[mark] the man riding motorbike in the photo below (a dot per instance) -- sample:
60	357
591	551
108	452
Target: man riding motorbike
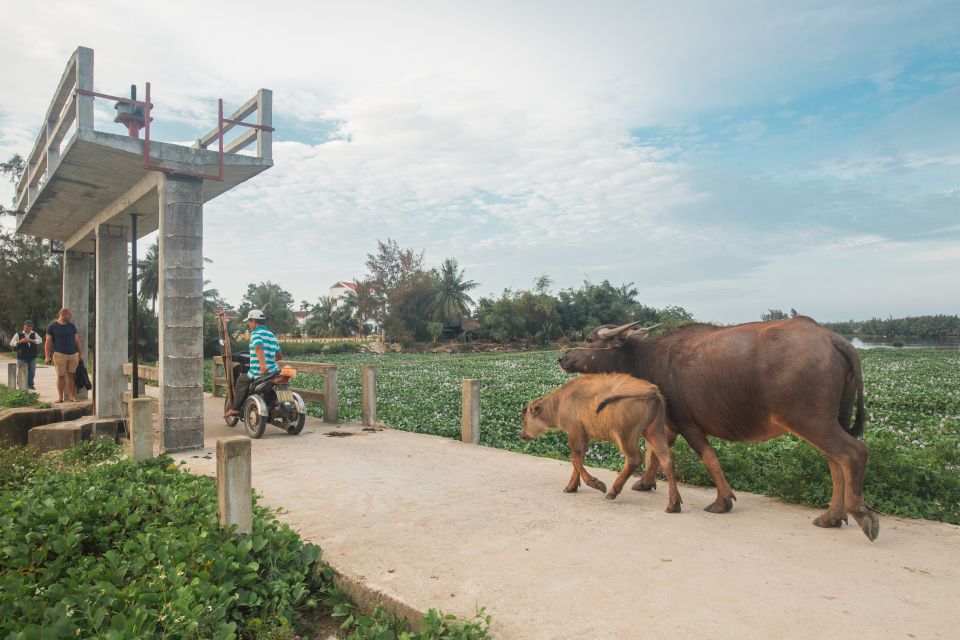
264	354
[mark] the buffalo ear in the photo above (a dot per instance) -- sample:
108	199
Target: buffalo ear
535	408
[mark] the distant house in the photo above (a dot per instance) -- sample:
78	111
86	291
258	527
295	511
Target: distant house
340	290
301	317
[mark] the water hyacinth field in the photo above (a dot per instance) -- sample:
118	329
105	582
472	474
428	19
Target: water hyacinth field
913	428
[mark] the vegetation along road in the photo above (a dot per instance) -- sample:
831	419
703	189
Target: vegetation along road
913	429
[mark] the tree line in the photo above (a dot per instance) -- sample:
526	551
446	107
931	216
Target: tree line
936	327
410	303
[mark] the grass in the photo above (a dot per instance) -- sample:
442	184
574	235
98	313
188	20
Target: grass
14	398
913	430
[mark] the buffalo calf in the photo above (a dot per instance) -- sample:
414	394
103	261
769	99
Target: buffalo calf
617	408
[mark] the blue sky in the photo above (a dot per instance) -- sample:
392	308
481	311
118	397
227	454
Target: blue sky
726	157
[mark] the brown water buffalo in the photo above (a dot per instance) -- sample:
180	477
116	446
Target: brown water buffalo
749	382
617	408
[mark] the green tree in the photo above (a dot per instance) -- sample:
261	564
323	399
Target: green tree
773	315
12	169
148	273
387	269
274	301
30	282
408	307
451	301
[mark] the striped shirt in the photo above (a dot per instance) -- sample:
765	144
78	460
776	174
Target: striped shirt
263	337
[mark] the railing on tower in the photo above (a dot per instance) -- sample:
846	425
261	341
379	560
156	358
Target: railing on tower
72	104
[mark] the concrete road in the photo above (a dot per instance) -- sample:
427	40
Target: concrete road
432	522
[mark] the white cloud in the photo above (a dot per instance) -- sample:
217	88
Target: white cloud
499	133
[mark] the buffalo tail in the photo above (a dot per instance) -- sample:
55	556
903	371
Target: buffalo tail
852	357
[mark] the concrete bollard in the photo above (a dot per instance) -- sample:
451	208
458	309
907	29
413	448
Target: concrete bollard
23	373
331	397
234	490
368	408
12	375
470	424
139	429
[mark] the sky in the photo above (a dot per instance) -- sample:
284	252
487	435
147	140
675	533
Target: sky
727	157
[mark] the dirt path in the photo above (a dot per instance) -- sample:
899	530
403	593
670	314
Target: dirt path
436	523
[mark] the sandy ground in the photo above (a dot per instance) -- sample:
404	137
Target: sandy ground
438	523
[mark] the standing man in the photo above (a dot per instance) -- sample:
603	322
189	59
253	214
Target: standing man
63	347
25	342
264	353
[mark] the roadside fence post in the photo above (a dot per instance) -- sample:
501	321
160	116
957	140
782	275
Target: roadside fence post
139	429
368	407
234	495
470	423
331	397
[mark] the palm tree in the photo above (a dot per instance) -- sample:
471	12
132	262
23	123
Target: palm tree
343	321
451	301
321	318
149	272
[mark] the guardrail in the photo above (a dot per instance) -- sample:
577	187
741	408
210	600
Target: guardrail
67	108
328	397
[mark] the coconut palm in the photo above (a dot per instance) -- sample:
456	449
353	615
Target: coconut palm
451	300
149	276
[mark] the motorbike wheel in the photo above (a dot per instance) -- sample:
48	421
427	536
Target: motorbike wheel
255	423
231	420
295	427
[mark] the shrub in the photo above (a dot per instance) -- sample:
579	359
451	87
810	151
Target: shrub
92	546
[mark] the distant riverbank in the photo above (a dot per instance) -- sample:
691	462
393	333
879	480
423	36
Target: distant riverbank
876	343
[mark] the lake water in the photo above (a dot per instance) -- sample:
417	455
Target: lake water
871	344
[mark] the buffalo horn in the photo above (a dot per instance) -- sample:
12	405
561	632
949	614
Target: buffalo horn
606	334
644	330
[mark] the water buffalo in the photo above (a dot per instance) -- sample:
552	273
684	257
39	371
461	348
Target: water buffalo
749	382
614	407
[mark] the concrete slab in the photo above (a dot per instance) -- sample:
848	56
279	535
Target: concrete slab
424	522
97	169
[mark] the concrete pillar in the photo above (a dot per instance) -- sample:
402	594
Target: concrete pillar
470	422
234	494
331	395
23	374
11	375
368	403
181	312
111	325
139	429
265	117
84	81
76	297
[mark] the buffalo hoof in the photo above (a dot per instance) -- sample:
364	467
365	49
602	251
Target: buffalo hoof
722	505
640	485
611	496
599	486
673	508
828	521
569	490
870	524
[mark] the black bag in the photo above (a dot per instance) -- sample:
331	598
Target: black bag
82	380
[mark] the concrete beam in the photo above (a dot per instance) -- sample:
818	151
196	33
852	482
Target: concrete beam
142	188
76	297
111	325
181	313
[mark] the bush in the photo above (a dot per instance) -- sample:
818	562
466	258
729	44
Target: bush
10	398
308	348
92	546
